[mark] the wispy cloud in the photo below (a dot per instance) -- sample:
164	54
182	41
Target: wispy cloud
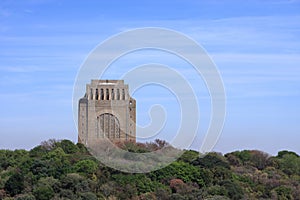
26	69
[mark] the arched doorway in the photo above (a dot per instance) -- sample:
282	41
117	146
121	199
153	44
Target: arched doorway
108	126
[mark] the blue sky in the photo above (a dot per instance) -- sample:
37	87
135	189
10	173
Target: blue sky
255	45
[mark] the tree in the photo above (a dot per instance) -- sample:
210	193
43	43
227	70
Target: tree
289	163
176	184
221	174
2	194
211	160
4	164
75	183
68	146
108	188
61	170
49	144
88	196
180	170
162	194
259	159
216	190
43	192
189	156
15	184
234	191
217	197
57	162
25	197
39	168
140	182
176	196
46	188
38	151
244	156
282	153
87	167
282	192
12	158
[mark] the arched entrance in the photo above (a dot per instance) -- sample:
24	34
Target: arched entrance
108	126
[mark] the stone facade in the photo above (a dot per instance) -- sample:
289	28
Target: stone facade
106	111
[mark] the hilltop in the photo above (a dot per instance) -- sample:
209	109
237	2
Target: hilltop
64	170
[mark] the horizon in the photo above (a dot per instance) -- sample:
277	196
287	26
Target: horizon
255	46
148	142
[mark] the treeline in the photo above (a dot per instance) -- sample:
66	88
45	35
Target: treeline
64	170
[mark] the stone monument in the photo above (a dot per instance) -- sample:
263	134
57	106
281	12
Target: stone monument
106	111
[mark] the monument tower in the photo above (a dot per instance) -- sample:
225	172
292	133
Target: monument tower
106	111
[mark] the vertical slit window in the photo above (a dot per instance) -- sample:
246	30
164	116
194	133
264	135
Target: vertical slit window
118	94
107	94
91	94
101	94
123	94
97	95
112	94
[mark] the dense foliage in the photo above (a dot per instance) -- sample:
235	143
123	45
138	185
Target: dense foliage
63	170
